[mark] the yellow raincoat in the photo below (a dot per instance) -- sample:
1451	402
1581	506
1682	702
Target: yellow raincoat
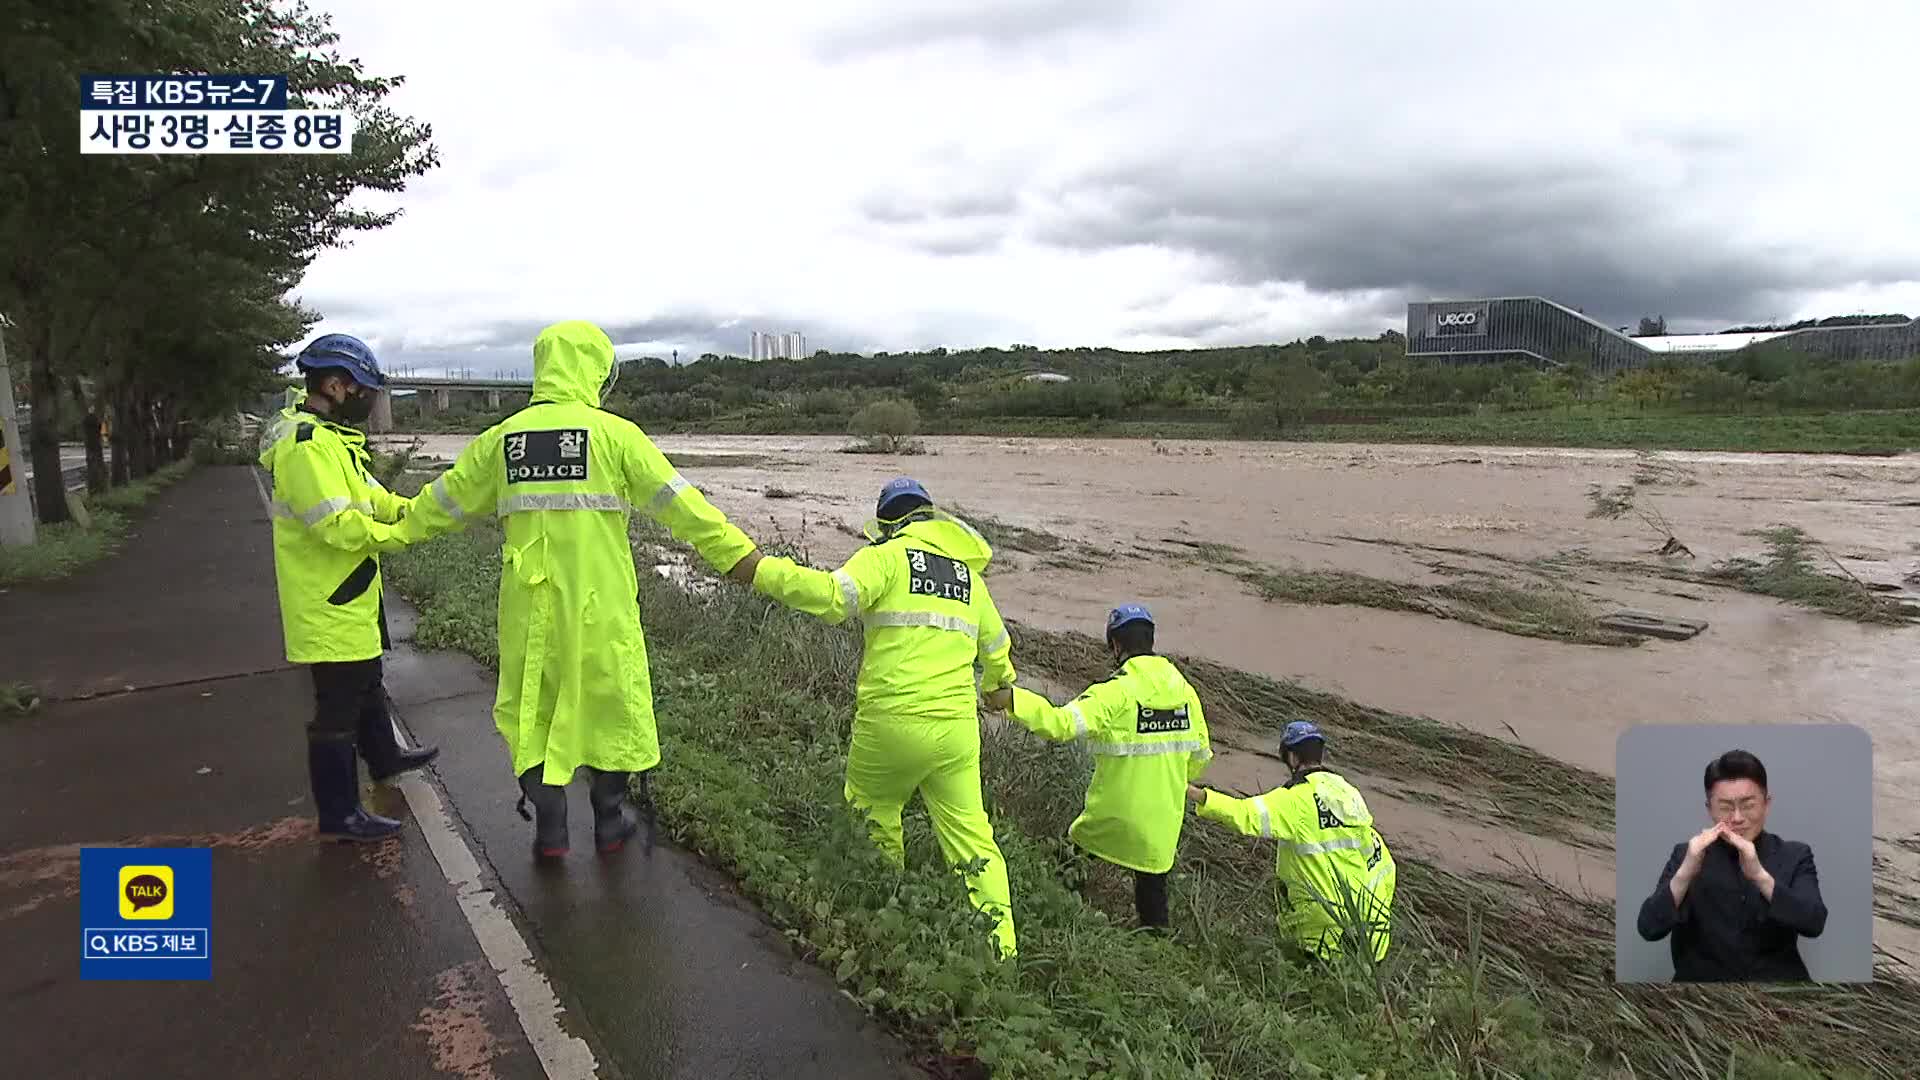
1331	864
330	518
564	477
1148	737
921	597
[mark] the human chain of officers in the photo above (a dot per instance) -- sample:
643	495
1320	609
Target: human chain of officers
563	476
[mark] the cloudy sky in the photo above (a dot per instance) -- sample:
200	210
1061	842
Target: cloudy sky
896	174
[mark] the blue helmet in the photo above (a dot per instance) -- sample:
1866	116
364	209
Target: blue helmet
1300	731
900	488
1127	613
345	352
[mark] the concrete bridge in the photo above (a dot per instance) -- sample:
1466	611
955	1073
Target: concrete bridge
436	394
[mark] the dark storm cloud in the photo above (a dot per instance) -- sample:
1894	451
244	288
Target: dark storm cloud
1598	236
996	23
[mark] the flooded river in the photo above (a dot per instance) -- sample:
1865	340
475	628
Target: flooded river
1415	513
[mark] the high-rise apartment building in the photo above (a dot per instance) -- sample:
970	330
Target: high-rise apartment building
765	346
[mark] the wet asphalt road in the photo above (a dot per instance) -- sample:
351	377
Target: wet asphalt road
173	720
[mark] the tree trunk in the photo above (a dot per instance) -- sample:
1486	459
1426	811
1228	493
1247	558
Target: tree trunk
90	435
49	486
140	436
149	437
122	445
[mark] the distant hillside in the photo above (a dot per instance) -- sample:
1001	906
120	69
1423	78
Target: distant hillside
1831	320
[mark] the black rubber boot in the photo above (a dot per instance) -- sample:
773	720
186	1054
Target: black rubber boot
386	761
336	794
549	814
614	819
404	762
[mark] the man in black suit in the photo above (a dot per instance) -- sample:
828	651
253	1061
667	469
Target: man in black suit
1736	898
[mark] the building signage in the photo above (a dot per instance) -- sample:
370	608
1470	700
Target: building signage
1457	320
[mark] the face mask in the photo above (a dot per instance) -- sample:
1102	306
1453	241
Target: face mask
355	408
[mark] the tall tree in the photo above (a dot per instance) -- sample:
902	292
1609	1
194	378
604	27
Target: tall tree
86	240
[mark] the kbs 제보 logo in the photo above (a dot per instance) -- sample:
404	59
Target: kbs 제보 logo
146	913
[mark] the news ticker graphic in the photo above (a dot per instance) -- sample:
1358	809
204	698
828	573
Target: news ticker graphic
146	913
204	114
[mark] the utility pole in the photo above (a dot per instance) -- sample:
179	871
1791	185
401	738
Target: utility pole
16	511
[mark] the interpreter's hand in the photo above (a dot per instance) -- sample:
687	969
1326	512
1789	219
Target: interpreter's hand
1704	839
1196	794
743	570
1749	858
1000	700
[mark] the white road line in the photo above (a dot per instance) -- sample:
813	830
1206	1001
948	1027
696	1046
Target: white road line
535	1006
563	1056
262	489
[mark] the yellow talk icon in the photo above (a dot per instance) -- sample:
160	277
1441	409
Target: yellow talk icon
146	892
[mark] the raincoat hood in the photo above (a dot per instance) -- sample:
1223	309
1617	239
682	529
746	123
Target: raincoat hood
572	362
953	537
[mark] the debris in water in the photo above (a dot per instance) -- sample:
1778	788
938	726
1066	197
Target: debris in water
1673	546
1652	625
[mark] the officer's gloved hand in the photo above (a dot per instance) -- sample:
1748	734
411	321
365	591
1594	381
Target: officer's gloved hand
1000	700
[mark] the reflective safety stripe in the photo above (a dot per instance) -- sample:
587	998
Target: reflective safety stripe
445	499
1321	847
1206	753
1079	720
923	618
560	500
320	512
668	492
1144	749
999	640
1266	818
849	592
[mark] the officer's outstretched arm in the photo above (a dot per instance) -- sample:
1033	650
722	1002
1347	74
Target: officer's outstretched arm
388	508
309	484
467	491
1198	760
834	596
1084	714
1256	816
995	654
657	489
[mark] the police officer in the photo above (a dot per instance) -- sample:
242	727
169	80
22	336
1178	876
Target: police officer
1148	736
331	518
919	592
564	477
1335	872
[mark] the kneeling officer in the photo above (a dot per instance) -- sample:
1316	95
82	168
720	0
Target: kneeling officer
1335	872
1148	736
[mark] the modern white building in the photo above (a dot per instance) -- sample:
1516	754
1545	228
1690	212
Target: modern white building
766	346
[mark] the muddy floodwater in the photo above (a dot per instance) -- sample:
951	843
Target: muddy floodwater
1126	512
